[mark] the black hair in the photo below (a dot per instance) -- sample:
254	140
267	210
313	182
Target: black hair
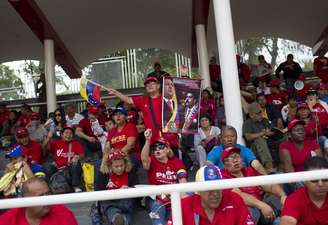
315	162
205	115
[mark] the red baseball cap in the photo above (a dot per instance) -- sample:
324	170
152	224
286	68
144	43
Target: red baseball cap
68	127
115	154
227	151
295	122
150	79
93	109
274	83
21	131
35	115
302	105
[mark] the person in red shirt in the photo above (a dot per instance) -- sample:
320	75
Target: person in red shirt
301	93
295	151
24	117
320	65
43	215
215	206
264	208
4	115
277	96
123	137
162	168
244	71
91	132
32	150
151	107
66	153
116	174
215	75
318	108
308	205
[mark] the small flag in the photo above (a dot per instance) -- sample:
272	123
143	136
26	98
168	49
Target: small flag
90	91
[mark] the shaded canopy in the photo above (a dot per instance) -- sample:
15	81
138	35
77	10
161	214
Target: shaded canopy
91	29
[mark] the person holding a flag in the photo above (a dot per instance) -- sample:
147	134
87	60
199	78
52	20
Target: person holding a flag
151	107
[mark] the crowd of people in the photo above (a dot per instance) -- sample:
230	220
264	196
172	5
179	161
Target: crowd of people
285	130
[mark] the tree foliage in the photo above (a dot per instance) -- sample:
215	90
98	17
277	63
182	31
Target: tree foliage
8	79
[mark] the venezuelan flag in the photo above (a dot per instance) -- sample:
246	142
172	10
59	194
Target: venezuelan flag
90	91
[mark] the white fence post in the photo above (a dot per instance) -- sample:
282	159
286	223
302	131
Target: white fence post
176	208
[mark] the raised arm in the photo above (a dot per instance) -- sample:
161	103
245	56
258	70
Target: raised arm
121	96
145	159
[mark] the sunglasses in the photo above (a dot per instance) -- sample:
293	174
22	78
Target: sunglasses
159	147
317	181
58	114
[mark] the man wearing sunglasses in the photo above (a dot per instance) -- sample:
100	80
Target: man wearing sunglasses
309	204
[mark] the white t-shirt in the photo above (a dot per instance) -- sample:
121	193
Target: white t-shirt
74	121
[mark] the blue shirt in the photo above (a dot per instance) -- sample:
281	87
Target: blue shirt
214	155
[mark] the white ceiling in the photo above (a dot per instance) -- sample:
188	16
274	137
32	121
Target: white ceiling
91	29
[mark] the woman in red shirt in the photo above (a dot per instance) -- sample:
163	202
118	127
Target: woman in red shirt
163	168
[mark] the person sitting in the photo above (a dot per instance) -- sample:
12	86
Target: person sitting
50	215
18	170
206	138
264	70
72	118
55	124
123	137
320	66
90	132
116	175
309	204
277	96
264	202
162	168
35	129
214	206
295	151
257	131
228	139
207	104
289	110
262	88
220	120
66	154
318	108
31	150
301	92
24	117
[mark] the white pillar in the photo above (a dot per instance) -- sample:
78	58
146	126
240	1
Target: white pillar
229	73
176	208
202	54
49	64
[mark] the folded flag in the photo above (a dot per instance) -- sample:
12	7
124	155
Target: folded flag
90	91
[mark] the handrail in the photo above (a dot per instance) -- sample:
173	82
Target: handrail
166	189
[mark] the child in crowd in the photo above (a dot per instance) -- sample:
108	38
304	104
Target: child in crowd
117	175
163	168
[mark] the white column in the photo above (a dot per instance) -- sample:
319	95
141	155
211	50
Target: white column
49	64
229	73
202	54
176	208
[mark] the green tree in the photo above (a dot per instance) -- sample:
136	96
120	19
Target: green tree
8	79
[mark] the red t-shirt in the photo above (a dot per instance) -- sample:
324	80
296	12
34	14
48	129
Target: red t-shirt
141	103
321	64
24	120
58	215
33	152
299	206
248	171
118	139
310	132
231	211
277	99
215	72
319	110
85	125
165	173
59	150
118	181
298	156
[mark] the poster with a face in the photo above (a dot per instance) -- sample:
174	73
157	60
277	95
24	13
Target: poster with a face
181	103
